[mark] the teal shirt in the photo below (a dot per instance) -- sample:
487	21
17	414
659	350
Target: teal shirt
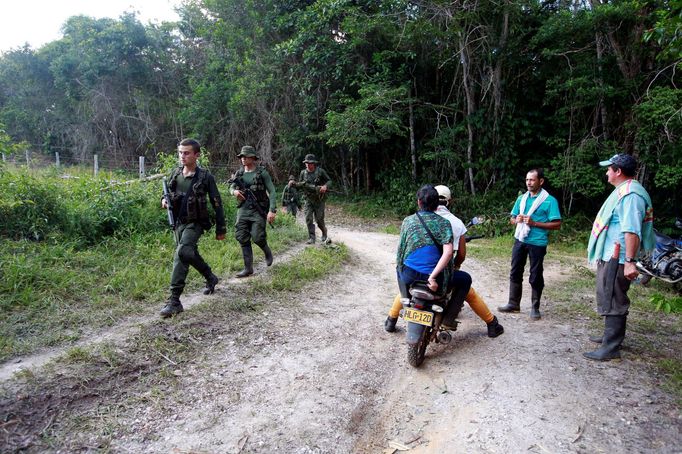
548	211
627	218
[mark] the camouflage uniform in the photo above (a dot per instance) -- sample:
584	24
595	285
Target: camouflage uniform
250	224
188	198
309	183
291	199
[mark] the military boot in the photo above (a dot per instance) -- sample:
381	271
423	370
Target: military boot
268	253
211	281
614	333
494	328
323	239
535	305
247	253
173	306
514	304
311	234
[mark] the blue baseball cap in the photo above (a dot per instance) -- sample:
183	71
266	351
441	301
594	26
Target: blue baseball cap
623	161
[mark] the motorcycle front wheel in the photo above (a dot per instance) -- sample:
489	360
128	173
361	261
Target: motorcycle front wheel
417	352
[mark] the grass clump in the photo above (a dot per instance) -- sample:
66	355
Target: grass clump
78	254
313	263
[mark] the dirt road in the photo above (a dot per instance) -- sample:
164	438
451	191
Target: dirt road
325	377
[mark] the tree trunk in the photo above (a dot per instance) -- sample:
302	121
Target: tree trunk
471	108
413	149
602	105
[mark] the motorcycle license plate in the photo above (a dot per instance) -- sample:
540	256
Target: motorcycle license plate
417	316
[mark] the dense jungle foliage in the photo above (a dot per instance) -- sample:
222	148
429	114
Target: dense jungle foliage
388	93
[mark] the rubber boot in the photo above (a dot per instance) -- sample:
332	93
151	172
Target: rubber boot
514	304
535	305
311	234
323	239
211	281
494	328
247	253
614	333
173	306
268	253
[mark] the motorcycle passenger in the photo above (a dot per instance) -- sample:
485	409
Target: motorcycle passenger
425	253
459	245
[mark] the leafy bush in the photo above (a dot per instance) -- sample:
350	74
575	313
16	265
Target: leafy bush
667	304
36	205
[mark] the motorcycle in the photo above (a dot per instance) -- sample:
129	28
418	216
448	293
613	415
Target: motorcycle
665	261
423	312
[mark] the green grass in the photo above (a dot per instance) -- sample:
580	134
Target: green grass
54	290
313	263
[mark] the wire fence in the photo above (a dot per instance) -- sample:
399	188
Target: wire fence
143	167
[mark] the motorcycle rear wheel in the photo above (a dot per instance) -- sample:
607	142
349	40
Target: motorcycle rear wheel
417	352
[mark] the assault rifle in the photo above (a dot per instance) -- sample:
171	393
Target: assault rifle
251	199
169	208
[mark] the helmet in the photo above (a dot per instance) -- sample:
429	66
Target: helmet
443	192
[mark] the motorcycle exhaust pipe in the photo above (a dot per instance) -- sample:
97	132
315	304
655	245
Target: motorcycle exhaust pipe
444	337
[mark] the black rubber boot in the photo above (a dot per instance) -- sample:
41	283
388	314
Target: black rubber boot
173	306
323	239
614	333
514	304
494	328
211	281
268	253
389	324
535	305
247	253
311	234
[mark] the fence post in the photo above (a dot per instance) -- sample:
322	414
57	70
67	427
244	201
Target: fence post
141	167
56	158
4	159
28	158
96	165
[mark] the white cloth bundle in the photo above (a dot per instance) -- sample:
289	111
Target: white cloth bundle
523	229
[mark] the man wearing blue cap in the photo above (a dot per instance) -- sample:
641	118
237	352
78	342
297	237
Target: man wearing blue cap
623	227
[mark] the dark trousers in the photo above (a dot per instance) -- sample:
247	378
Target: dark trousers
459	280
612	289
520	253
186	255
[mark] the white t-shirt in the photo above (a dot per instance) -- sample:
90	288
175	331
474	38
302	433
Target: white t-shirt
458	228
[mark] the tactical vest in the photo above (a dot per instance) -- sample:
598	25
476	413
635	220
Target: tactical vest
257	186
191	207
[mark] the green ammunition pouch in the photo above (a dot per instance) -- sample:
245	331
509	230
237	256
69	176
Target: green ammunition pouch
192	206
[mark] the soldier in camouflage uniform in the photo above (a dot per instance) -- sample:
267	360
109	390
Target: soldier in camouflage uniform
291	199
314	182
256	196
189	185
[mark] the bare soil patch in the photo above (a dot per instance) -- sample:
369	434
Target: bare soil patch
316	372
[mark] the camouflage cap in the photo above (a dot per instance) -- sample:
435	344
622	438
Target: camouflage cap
247	152
310	158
